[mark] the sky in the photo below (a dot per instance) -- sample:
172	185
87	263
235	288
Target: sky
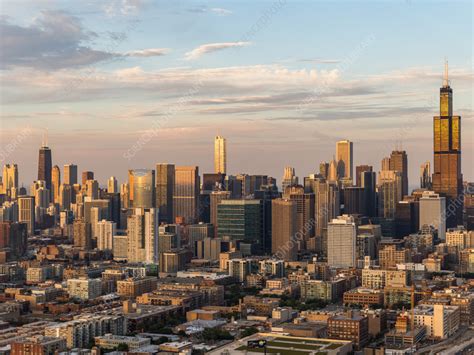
122	84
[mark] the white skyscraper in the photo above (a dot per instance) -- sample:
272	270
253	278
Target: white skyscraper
220	155
433	212
342	236
105	231
142	230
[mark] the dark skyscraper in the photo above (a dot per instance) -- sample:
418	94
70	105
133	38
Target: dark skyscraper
399	162
359	170
45	165
165	178
447	176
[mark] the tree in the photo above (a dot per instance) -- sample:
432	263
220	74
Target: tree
248	331
122	347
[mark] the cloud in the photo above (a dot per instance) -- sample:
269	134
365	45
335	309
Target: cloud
213	47
54	40
57	40
215	10
122	7
220	11
150	52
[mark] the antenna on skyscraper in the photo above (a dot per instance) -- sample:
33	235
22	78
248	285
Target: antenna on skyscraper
445	78
44	142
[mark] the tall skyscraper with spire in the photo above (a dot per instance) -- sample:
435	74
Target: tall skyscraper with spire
447	175
45	164
220	155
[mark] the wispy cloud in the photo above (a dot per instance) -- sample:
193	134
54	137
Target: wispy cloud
213	47
220	11
215	10
150	52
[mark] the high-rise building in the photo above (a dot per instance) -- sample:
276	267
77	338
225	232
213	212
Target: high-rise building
87	175
333	173
92	189
241	220
390	192
105	231
342	236
220	155
215	198
143	181
45	165
10	178
13	235
186	193
55	183
212	182
266	194
82	234
344	157
385	164
165	181
112	185
305	203
433	212
359	170
327	205
70	174
324	169
65	197
447	176
289	178
26	212
368	183
425	175
143	231
399	162
284	243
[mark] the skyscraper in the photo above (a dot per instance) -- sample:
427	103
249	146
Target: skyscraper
305	203
26	212
87	175
399	162
241	220
433	211
45	165
425	175
289	178
55	183
447	176
70	174
359	170
143	188
165	180
10	178
143	231
389	191
220	155
215	198
186	193
344	158
342	236
284	243
112	185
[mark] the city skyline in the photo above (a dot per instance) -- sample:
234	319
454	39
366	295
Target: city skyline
372	100
236	177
